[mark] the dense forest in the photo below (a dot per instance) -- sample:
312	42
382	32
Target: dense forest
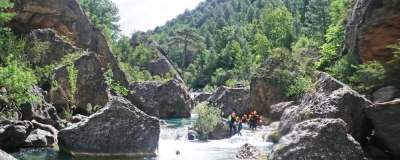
217	43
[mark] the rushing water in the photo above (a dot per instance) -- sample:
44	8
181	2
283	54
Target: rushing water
173	137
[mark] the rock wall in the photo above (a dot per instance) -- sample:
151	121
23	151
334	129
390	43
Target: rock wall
231	100
262	96
374	24
67	18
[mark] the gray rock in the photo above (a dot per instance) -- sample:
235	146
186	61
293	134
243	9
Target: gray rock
163	100
67	18
320	138
13	133
40	138
248	152
118	129
386	120
331	99
201	97
386	94
231	100
78	118
192	135
277	110
221	131
42	111
45	127
56	50
6	156
92	86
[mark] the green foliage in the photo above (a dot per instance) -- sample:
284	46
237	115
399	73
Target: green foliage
70	58
142	55
4	16
231	83
92	109
208	117
115	85
221	76
17	79
72	91
209	88
184	122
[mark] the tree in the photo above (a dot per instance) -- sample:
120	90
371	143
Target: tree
103	15
207	120
4	17
190	40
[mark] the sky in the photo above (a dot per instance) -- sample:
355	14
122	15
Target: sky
147	14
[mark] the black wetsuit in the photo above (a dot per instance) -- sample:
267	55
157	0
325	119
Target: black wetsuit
254	119
232	125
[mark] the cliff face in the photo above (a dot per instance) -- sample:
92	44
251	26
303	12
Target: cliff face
373	26
67	18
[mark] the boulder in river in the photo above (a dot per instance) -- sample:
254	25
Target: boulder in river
248	151
13	133
6	156
163	100
202	96
277	110
221	131
118	129
386	120
331	99
320	138
231	100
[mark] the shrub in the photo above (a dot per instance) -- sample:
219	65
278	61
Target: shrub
115	85
207	120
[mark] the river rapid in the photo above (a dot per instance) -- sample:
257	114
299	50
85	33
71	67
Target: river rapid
173	137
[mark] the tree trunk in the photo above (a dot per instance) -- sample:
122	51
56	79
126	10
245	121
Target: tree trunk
184	53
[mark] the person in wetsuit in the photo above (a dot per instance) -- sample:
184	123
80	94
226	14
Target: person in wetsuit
232	124
239	125
254	119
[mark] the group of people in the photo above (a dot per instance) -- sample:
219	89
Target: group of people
236	123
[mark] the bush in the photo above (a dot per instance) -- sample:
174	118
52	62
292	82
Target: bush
207	120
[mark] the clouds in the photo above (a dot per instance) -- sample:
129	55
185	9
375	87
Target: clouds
148	14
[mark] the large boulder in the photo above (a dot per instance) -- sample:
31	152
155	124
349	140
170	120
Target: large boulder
374	24
92	86
41	111
163	100
277	110
262	95
320	138
221	131
201	97
248	151
55	47
231	100
330	99
118	129
161	65
386	94
386	120
6	156
67	18
13	133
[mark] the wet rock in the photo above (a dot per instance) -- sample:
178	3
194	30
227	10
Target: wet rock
262	96
6	156
78	118
201	97
374	24
163	100
221	131
273	135
331	99
13	133
92	86
67	18
248	152
231	100
162	122
192	135
118	129
48	128
42	111
40	138
386	94
277	110
56	50
386	120
320	138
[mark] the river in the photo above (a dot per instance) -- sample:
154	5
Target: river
172	137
